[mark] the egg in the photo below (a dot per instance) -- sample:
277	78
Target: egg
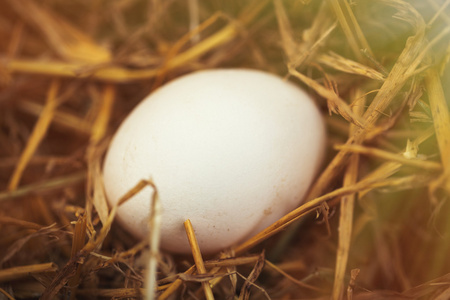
233	150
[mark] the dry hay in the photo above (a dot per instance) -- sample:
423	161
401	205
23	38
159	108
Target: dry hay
376	222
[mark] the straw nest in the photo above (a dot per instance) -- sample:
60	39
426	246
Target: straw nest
376	224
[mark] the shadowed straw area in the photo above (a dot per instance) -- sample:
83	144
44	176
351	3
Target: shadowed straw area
375	224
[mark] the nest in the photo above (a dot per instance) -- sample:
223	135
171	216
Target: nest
375	223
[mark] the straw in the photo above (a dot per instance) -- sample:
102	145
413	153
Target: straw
375	221
198	258
37	135
21	272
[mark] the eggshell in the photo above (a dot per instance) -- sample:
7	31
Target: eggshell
233	150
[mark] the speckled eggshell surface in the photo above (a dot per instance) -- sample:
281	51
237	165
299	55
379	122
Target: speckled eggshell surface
233	150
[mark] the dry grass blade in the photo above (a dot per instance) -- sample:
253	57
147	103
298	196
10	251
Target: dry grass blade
78	241
231	269
299	53
17	246
5	220
343	64
360	37
409	60
441	120
414	162
232	261
387	169
95	242
221	37
254	274
314	204
194	19
198	258
60	279
21	272
444	295
64	119
177	47
356	29
297	282
95	192
175	285
314	37
98	198
37	135
207	277
6	294
338	105
289	45
154	238
113	293
77	70
128	195
406	64
68	41
341	16
440	13
351	28
117	74
101	122
346	214
428	288
351	285
124	254
35	160
51	184
215	276
229	262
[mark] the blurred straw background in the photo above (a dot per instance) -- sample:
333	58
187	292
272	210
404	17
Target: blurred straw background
376	224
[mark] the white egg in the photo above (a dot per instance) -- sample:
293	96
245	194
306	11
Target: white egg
233	150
